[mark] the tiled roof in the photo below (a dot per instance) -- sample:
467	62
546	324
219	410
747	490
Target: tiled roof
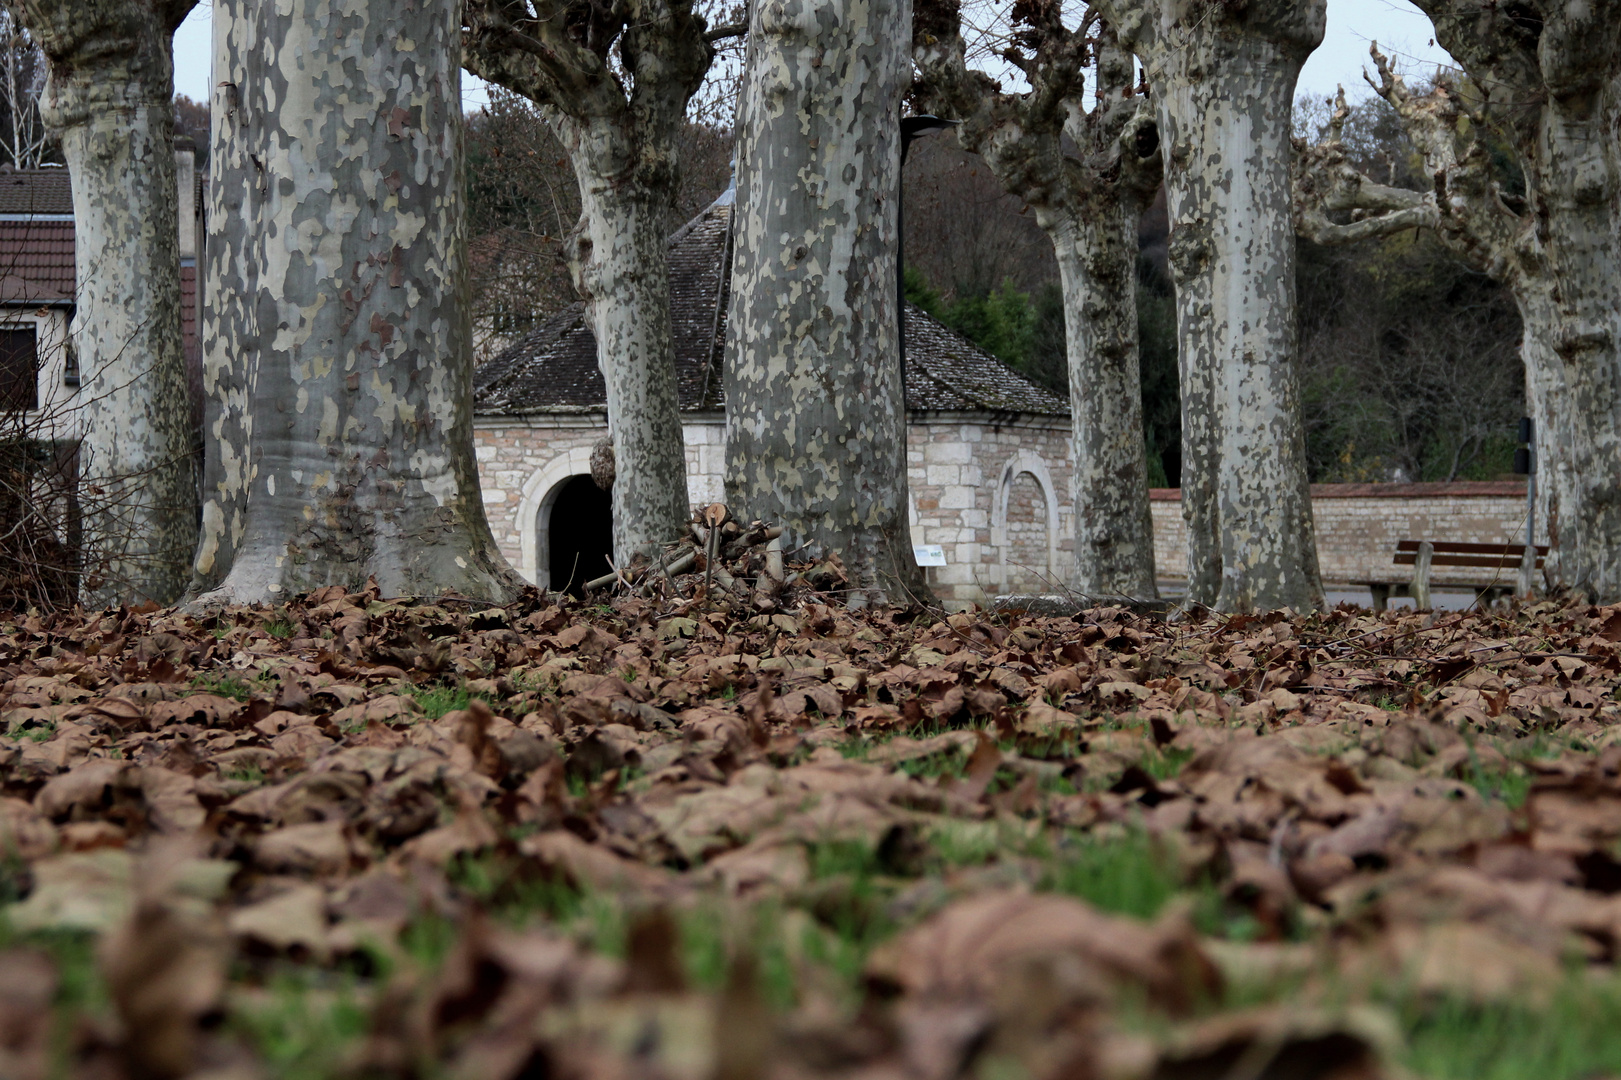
35	191
946	371
37	256
554	366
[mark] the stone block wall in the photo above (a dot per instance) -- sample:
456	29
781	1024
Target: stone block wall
521	462
993	493
995	496
1359	525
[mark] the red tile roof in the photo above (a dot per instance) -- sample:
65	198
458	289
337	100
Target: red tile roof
39	253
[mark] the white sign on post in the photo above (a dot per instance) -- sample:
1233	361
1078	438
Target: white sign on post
929	554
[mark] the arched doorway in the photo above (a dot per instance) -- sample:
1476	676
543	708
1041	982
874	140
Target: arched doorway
579	533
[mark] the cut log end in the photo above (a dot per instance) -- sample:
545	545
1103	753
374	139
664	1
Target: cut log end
602	463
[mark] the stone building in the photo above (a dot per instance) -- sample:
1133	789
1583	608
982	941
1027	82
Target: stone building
988	451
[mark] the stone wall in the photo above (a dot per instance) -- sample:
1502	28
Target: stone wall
995	495
522	462
1359	525
981	487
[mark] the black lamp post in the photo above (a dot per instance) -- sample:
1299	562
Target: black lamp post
912	127
1525	463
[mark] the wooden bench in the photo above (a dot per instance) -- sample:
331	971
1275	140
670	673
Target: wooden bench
1423	555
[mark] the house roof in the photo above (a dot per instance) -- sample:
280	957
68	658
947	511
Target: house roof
36	244
36	256
35	191
36	262
553	368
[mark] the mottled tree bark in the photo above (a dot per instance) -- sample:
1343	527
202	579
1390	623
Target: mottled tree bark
361	457
1088	194
815	415
1224	77
109	93
620	262
620	131
229	330
1551	70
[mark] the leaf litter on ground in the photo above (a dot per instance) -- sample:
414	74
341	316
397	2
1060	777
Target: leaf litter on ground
354	836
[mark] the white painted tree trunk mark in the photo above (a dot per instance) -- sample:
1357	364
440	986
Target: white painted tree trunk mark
229	329
362	435
816	425
620	261
109	94
1224	79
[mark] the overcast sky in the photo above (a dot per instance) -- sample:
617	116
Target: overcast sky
1401	30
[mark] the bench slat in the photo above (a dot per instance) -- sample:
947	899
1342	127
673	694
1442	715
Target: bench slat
1450	547
1503	560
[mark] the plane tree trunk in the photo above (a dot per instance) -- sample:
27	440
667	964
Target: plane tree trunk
815	411
620	129
1224	77
229	330
1088	195
109	93
619	260
360	457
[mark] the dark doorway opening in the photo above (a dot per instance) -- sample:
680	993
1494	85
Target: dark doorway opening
581	534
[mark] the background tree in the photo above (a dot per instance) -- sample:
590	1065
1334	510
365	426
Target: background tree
1410	363
1088	196
110	94
1224	78
815	413
966	234
356	450
977	260
523	201
1410	360
25	143
614	83
191	119
1524	184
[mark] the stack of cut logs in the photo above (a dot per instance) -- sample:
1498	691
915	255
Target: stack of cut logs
720	560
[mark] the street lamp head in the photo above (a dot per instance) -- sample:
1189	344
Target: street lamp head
913	127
